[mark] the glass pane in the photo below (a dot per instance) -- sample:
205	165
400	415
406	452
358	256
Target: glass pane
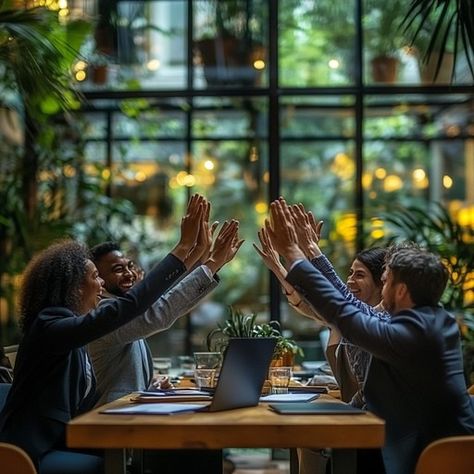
226	117
313	117
136	45
230	39
234	176
321	175
316	43
414	153
150	119
394	56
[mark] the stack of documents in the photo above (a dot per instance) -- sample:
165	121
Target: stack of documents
171	395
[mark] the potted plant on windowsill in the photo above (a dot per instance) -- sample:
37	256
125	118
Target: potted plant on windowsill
245	325
441	27
383	39
230	43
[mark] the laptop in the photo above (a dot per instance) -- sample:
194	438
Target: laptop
242	375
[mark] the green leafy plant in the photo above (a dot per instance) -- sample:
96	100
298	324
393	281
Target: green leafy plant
447	21
435	230
245	325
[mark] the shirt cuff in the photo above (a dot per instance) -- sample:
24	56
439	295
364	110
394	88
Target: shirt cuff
293	265
208	272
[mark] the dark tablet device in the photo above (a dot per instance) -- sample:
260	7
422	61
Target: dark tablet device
317	408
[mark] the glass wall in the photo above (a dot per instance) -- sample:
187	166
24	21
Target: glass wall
323	102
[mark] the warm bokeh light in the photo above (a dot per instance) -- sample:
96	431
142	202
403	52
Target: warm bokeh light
259	64
334	64
419	174
261	207
380	173
377	234
346	227
80	66
343	166
140	176
189	181
447	181
209	165
153	64
106	174
392	183
80	76
423	184
180	177
266	177
366	180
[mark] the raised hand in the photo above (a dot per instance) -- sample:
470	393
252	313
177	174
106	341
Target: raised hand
201	250
282	231
226	245
307	230
269	256
190	226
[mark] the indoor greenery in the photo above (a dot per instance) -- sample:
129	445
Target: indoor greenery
437	231
448	21
245	325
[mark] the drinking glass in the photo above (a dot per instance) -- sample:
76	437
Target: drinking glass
279	379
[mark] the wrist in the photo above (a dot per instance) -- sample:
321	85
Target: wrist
291	254
313	251
212	265
180	252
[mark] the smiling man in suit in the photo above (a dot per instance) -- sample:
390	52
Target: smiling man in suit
415	380
122	360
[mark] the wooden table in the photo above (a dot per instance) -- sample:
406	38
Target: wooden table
253	427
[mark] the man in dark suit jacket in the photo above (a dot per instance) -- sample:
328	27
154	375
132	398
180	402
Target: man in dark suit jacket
415	380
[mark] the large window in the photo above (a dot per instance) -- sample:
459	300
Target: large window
245	100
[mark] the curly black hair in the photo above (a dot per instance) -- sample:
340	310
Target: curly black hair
53	278
99	250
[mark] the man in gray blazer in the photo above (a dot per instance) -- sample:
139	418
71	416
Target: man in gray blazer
122	360
415	380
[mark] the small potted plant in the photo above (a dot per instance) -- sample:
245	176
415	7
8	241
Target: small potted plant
230	43
242	325
383	39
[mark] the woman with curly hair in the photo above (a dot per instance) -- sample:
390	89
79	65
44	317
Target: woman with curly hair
53	379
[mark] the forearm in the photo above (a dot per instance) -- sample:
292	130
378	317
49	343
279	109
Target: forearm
177	302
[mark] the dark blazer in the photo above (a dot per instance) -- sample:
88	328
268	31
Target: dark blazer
415	380
50	371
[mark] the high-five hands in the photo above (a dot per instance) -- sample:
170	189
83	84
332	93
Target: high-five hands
308	231
225	246
282	233
190	226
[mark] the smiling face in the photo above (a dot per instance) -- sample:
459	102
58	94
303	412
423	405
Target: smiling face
361	283
91	288
116	270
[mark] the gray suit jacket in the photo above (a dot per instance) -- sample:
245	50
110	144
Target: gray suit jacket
415	380
121	359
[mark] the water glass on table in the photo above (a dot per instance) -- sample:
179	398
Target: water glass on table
162	365
279	378
205	378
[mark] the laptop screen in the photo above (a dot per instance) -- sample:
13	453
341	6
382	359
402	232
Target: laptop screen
243	373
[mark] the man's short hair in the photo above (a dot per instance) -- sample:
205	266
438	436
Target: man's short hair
99	250
422	272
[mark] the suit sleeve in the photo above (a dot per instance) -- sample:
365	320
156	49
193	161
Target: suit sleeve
178	301
387	340
62	331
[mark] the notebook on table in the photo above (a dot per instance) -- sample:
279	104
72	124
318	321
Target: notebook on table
242	375
317	408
